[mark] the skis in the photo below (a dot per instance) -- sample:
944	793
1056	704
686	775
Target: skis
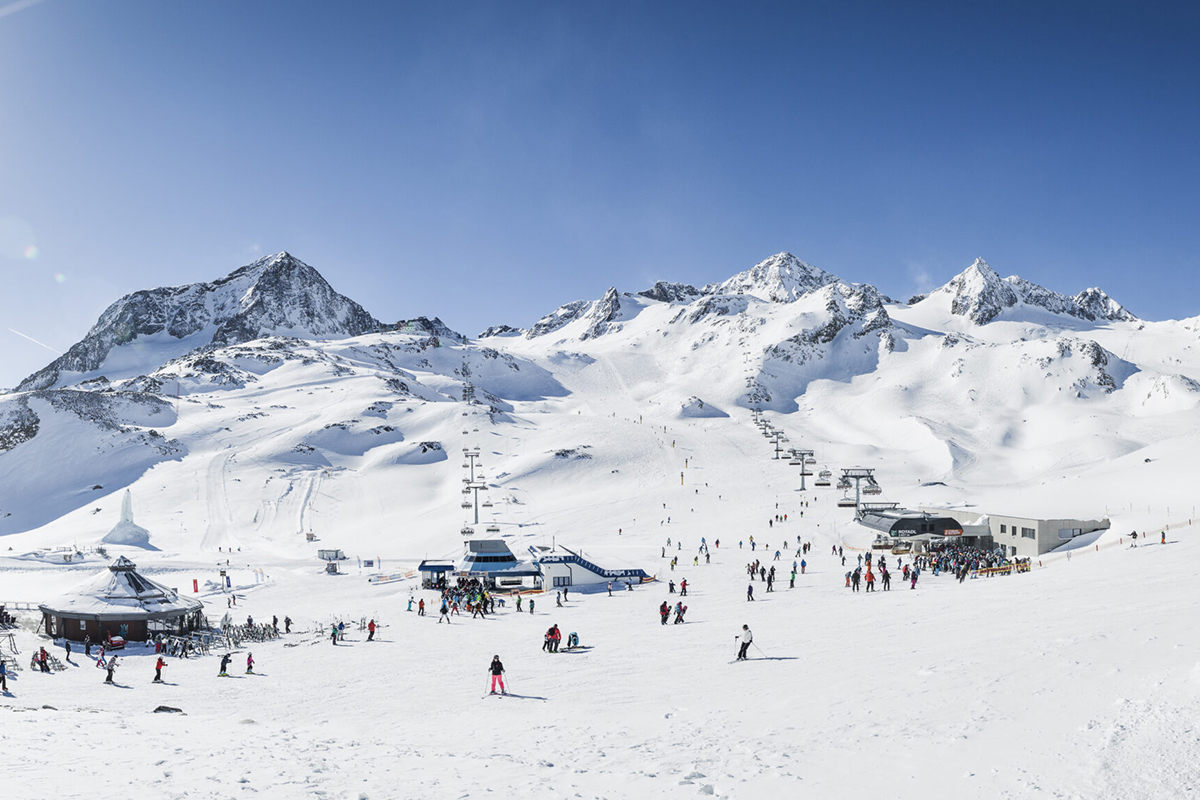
494	694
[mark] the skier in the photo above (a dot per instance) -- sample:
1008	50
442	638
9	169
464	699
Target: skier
370	631
792	583
87	646
250	663
609	586
158	668
531	605
887	580
112	665
225	659
749	592
421	608
680	610
497	671
664	611
572	640
870	580
518	604
3	676
445	613
670	587
287	622
745	637
803	566
1162	537
558	599
683	588
275	624
333	634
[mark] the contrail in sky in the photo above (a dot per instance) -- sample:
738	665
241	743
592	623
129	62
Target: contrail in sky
18	333
13	8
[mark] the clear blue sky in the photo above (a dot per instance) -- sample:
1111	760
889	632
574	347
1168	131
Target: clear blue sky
486	162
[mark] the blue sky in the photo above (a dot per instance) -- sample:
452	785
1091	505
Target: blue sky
486	162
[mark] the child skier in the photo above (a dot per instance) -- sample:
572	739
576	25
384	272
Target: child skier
158	668
250	663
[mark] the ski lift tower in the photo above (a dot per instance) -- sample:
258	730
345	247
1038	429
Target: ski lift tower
468	392
858	475
778	439
472	455
799	458
476	487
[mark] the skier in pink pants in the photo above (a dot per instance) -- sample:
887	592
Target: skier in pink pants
497	670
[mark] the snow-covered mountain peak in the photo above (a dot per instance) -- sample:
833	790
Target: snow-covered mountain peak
782	278
277	294
979	293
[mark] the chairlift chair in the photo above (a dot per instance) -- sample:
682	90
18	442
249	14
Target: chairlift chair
486	503
825	475
493	529
468	531
466	504
846	502
872	490
810	461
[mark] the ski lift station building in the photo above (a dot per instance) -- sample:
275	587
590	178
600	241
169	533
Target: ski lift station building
1026	537
122	602
491	561
568	568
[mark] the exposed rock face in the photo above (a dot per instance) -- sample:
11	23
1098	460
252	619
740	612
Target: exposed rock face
603	315
665	292
278	294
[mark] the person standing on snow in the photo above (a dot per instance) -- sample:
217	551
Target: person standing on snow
158	668
112	665
250	663
683	588
371	631
745	637
445	613
225	659
497	671
749	592
664	611
287	624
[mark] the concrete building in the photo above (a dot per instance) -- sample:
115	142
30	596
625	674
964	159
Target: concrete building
1024	536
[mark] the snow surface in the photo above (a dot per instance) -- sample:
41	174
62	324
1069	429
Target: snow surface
1078	680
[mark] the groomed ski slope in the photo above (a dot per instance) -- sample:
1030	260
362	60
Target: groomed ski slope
1079	680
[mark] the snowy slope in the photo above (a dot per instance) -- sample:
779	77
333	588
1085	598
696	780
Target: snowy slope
597	425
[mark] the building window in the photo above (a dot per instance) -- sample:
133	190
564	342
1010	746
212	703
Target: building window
562	580
82	625
1028	533
1003	528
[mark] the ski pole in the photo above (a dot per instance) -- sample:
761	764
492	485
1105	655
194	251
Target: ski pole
759	649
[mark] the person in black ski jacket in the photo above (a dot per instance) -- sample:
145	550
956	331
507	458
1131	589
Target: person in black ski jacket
225	659
497	671
664	611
